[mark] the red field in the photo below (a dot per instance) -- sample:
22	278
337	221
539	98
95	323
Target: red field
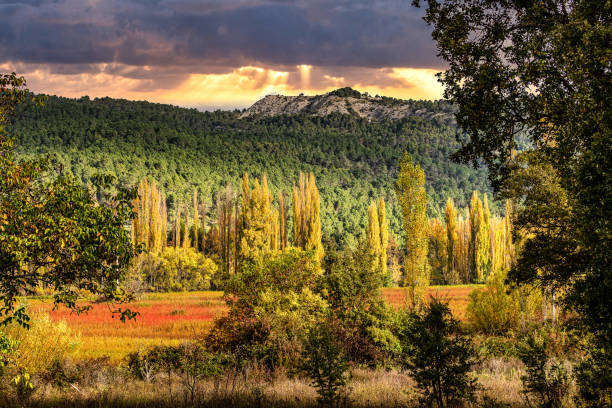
171	318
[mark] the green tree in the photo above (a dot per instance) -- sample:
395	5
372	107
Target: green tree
324	361
55	233
412	197
373	237
438	356
540	72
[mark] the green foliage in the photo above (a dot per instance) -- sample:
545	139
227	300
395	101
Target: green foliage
191	362
353	159
324	361
594	379
273	304
352	291
547	380
141	365
541	70
194	364
437	356
346	92
7	350
55	233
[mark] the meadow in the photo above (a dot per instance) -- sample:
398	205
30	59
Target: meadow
172	318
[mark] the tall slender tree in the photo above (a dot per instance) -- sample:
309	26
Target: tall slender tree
384	240
450	216
373	236
307	215
411	194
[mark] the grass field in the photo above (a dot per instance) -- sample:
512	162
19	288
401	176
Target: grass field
171	318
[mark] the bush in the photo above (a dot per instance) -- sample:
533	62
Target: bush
272	305
437	356
325	363
594	378
496	310
547	380
142	366
7	351
42	344
354	297
175	269
194	364
498	347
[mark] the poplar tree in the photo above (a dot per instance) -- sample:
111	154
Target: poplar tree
437	248
480	240
223	231
185	241
256	232
411	194
307	215
450	216
196	220
463	247
373	236
177	228
150	223
384	239
509	251
282	209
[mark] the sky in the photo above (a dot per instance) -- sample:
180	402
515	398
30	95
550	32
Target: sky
218	54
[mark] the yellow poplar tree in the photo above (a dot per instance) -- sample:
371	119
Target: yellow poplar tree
412	197
384	239
450	217
150	222
307	215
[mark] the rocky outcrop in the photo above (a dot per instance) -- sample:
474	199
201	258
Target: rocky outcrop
350	102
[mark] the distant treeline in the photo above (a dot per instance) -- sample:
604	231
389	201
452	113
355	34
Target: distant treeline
352	159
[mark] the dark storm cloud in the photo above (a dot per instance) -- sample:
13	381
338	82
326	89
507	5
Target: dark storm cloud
213	35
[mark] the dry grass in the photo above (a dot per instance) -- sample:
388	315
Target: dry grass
367	388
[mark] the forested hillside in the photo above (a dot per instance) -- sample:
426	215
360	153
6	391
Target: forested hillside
354	160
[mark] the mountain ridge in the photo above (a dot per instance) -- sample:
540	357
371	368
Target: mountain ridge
351	102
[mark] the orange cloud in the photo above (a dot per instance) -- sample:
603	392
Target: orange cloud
238	87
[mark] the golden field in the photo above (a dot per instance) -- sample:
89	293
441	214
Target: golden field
171	318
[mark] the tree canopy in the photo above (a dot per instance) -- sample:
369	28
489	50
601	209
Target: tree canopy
56	233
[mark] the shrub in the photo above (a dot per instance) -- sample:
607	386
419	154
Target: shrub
498	347
195	363
7	351
594	378
43	343
354	297
437	356
495	309
142	366
325	363
272	305
547	380
60	374
22	385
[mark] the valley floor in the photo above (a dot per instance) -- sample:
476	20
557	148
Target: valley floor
172	318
